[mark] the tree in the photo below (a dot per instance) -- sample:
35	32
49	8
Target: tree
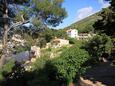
70	64
18	12
107	23
99	45
60	33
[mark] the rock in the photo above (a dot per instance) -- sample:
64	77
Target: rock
22	56
36	50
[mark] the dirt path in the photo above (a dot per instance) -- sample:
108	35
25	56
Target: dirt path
102	74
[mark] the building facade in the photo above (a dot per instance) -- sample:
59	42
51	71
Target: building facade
73	33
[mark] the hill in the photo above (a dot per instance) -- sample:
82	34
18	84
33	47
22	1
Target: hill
85	25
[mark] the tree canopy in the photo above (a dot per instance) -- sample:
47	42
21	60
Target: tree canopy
15	13
50	11
107	23
99	45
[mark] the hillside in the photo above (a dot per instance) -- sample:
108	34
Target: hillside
85	25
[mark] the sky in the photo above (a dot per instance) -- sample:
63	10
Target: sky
79	9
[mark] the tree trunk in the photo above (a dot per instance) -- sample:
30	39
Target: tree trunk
5	34
4	50
69	82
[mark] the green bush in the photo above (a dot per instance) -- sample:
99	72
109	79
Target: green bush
72	40
70	64
7	68
99	45
40	75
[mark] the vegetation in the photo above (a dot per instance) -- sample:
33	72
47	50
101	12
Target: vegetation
40	38
85	25
40	75
7	68
99	45
46	71
18	17
50	34
70	64
107	23
72	40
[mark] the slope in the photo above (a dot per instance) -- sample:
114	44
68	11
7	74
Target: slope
85	25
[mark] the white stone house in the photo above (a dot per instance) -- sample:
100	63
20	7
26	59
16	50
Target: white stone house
73	33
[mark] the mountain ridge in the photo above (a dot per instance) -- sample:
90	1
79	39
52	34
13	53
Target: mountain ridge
86	24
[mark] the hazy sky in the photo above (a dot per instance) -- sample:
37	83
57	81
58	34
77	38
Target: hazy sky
79	9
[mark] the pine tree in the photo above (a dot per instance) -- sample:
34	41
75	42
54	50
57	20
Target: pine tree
50	12
107	23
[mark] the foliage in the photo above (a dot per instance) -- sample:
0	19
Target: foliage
15	13
52	33
40	38
41	42
40	63
37	23
16	77
72	40
40	74
52	16
39	8
60	33
49	34
44	71
70	64
7	68
63	69
29	40
99	45
107	23
19	49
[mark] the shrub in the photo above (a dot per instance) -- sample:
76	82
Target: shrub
70	64
99	45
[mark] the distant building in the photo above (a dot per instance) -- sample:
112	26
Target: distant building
73	33
84	36
57	42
